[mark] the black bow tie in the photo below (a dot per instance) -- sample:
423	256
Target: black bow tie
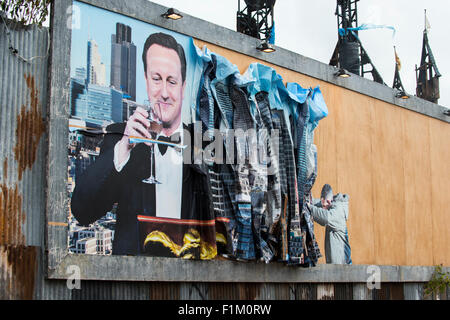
175	138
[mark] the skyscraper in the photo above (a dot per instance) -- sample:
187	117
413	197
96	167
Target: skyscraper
123	62
96	71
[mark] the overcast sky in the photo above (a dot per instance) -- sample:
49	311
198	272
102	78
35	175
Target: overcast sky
309	28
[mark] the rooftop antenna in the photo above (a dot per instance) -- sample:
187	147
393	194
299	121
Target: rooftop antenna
427	74
349	53
398	85
255	18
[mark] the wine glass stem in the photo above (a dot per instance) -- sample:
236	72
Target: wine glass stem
152	160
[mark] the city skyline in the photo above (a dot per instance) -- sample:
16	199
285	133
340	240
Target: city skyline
99	25
92	99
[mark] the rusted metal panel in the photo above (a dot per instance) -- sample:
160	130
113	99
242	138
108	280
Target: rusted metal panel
381	294
223	291
343	291
389	291
22	157
248	291
305	291
22	133
396	291
282	291
18	269
234	291
164	291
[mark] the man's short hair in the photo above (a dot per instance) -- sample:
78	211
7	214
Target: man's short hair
327	192
166	41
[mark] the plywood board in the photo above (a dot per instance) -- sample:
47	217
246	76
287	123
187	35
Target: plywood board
354	127
440	188
388	190
418	219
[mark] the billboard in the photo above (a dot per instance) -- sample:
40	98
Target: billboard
120	68
174	153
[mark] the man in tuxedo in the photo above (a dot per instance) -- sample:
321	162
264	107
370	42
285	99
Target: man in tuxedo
117	174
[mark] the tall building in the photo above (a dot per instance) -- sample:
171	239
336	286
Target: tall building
99	105
77	87
123	62
96	70
91	100
80	74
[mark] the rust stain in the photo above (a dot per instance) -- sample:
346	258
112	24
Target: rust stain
223	291
234	291
30	127
249	291
164	291
11	215
19	271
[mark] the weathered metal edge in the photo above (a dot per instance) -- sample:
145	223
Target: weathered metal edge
200	29
141	268
57	124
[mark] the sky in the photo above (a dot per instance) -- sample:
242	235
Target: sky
309	28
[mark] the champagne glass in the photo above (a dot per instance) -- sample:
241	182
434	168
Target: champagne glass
154	130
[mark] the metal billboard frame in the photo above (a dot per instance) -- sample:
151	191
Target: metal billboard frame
143	268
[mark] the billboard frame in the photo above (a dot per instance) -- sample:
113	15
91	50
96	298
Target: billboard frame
142	268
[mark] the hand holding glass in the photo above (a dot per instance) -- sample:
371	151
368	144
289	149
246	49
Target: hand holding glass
154	129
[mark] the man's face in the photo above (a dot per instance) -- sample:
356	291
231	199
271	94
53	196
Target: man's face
326	203
165	85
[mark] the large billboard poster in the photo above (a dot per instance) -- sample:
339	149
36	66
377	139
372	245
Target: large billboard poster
174	153
130	85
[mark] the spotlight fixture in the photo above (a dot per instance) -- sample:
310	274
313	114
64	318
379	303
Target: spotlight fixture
173	14
342	73
402	95
447	112
265	47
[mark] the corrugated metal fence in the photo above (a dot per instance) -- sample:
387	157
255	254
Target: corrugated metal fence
22	156
23	162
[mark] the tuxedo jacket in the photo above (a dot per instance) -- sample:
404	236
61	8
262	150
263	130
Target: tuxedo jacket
100	186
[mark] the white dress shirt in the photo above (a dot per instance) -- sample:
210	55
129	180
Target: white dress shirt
169	172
